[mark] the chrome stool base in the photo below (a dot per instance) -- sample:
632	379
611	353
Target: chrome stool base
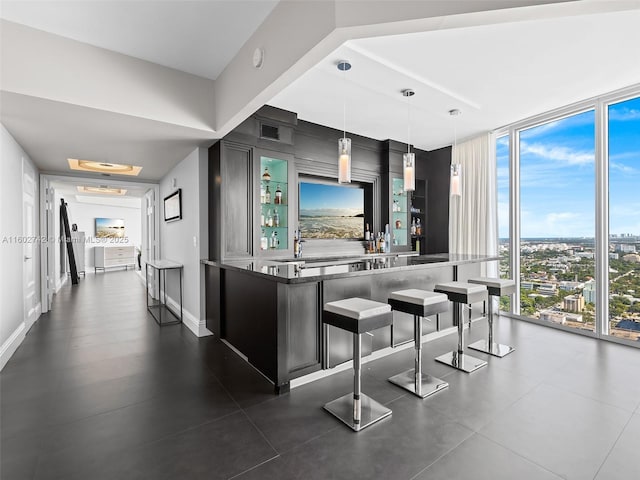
426	385
371	411
461	361
495	349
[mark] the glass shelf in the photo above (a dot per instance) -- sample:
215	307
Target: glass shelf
278	172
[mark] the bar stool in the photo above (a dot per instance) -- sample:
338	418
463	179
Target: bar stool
496	288
461	293
419	303
358	316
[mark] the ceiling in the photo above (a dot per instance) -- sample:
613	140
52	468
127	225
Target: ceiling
52	131
198	37
495	74
68	189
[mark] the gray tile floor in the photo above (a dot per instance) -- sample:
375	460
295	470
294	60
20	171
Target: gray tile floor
99	391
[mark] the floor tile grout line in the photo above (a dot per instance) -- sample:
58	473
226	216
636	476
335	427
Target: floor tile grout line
601	402
613	446
533	462
254	467
447	452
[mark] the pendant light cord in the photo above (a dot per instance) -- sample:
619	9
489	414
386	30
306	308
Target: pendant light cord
344	104
408	124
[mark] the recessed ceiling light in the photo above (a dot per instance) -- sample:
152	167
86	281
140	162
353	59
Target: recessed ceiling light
102	190
103	167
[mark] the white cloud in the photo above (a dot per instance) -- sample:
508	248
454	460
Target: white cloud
563	154
622	168
624	114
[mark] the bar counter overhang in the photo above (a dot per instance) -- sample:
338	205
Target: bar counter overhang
271	310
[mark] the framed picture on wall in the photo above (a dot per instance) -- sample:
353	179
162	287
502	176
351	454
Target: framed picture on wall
109	228
173	206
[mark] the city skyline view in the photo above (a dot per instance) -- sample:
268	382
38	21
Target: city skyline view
561	156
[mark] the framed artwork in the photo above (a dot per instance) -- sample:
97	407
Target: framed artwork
173	206
109	228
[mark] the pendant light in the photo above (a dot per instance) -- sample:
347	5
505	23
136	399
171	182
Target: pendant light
344	143
456	168
409	159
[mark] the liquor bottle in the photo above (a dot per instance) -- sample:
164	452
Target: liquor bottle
418	227
264	241
418	245
274	240
278	199
262	219
266	176
267	196
262	194
413	225
269	221
276	218
367	233
296	243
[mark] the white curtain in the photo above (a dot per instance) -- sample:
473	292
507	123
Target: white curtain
473	216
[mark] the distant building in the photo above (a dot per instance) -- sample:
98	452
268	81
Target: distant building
614	256
631	257
547	289
568	286
573	303
526	285
553	316
574	317
589	292
625	248
585	255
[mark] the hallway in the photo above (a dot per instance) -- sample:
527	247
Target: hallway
99	391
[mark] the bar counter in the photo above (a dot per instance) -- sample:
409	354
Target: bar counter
271	310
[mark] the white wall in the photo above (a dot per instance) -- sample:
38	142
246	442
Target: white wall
186	241
85	214
12	327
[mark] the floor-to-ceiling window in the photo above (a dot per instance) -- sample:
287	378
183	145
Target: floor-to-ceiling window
502	168
624	218
571	237
557	220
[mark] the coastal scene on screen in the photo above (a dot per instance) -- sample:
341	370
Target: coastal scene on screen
331	211
109	228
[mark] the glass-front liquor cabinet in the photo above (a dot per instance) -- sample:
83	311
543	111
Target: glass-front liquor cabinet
399	214
275	204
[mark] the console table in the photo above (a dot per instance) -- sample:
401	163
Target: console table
158	307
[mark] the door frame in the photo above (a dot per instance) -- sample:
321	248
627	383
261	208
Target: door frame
46	249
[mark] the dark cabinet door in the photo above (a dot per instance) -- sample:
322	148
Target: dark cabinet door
237	200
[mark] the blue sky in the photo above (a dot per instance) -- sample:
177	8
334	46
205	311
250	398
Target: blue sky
557	175
335	200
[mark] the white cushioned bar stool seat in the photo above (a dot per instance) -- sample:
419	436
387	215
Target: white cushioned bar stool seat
496	287
461	293
358	316
419	303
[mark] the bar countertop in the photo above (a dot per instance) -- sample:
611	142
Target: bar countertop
317	269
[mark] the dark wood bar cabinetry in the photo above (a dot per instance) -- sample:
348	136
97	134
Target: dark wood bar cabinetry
271	311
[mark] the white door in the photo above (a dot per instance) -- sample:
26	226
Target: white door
47	244
29	243
150	238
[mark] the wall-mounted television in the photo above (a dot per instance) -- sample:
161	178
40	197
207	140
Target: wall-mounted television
330	210
109	228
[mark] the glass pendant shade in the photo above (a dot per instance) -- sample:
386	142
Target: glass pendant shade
456	170
409	169
344	160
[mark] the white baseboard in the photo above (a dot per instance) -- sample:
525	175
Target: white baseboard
198	327
11	345
38	312
60	283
